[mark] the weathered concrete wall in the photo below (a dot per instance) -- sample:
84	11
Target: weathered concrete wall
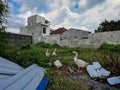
109	37
18	40
94	39
24	30
47	31
52	39
74	42
35	29
74	34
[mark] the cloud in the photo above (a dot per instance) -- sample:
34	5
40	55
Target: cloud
83	3
28	5
83	14
80	6
99	13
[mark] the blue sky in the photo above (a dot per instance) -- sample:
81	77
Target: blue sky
80	14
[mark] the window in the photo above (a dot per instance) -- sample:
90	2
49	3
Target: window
75	36
44	30
32	33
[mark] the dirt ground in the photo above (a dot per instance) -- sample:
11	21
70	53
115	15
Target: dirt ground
100	84
95	84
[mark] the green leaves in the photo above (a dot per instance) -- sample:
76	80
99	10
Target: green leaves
4	14
108	26
4	11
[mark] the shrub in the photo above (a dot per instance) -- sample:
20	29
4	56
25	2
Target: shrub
110	47
43	45
3	43
55	45
25	47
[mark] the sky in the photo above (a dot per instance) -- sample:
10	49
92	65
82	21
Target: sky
79	14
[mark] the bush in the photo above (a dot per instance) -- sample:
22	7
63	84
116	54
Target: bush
25	47
110	47
43	45
55	45
3	43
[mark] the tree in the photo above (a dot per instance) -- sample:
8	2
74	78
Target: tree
108	26
4	14
4	11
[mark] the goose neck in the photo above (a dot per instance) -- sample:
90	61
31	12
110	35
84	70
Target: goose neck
76	55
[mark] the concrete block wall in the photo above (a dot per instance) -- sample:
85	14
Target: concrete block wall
52	39
24	30
75	42
97	39
18	40
94	39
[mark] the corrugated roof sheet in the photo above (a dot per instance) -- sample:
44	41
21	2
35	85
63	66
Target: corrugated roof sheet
24	79
113	80
95	70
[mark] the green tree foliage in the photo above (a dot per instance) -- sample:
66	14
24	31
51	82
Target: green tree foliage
108	26
4	14
4	11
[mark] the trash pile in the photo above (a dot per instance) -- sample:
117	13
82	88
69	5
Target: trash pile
97	71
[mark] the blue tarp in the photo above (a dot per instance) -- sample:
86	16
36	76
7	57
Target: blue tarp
43	84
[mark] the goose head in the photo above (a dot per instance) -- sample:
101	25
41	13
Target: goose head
76	55
55	49
74	52
47	53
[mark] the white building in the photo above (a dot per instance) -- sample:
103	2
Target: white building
75	34
37	26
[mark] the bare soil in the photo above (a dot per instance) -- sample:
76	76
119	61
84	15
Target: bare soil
99	84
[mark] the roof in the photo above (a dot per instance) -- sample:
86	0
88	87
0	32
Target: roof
59	31
79	30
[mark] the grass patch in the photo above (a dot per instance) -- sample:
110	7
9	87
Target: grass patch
60	80
108	56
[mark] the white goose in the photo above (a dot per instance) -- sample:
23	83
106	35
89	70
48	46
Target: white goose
47	53
54	52
80	63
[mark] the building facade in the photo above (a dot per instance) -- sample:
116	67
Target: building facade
75	34
37	26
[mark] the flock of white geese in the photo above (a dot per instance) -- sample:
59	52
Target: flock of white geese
48	54
79	62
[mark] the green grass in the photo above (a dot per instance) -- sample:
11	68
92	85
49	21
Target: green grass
106	54
60	80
